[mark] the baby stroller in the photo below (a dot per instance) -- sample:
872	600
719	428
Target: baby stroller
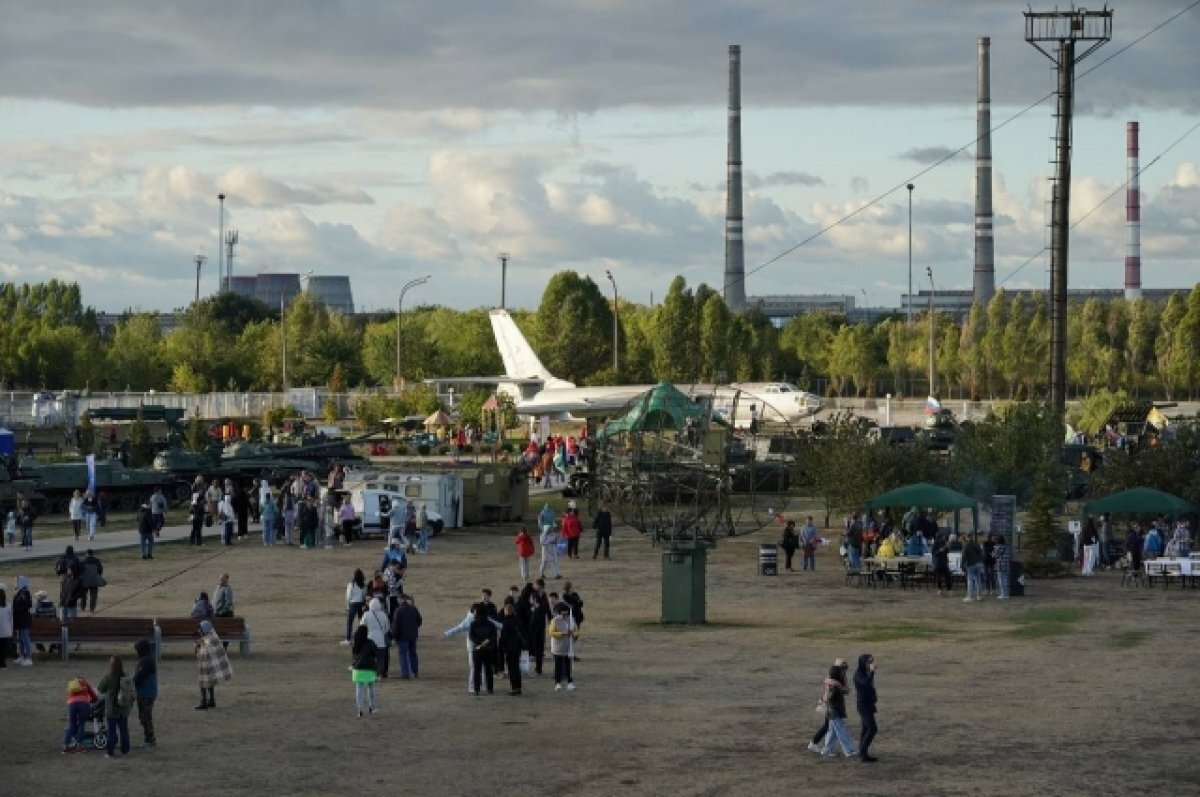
95	730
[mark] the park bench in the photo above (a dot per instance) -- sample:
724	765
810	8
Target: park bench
1164	570
78	630
47	631
187	629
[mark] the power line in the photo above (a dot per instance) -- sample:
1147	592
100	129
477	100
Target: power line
1110	195
951	155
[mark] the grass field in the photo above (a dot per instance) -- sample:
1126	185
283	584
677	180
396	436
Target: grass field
1081	687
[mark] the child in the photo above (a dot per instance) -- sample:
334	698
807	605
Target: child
80	697
10	527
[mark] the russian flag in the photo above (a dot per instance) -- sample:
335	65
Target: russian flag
932	405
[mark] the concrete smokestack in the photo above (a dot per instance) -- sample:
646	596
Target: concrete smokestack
985	263
735	263
1133	215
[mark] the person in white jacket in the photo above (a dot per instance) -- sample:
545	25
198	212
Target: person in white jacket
225	517
76	510
356	592
377	623
461	628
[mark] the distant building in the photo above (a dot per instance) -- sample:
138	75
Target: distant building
780	308
957	303
333	292
275	290
106	323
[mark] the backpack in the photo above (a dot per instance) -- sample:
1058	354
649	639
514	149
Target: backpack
127	693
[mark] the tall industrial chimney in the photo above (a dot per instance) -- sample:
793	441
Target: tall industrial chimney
735	263
1133	215
985	263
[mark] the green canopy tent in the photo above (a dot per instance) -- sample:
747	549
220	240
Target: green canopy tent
662	408
924	495
1140	501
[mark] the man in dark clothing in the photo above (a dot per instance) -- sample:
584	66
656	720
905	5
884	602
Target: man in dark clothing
145	679
603	526
864	689
92	573
972	565
147	525
483	651
572	599
1133	547
197	515
406	624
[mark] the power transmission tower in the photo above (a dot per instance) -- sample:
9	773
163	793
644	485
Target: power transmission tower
1042	29
231	239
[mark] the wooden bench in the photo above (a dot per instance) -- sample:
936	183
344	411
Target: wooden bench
48	631
105	629
187	629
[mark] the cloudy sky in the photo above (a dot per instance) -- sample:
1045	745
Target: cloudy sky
387	139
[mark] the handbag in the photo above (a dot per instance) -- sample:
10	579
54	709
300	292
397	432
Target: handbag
821	708
524	666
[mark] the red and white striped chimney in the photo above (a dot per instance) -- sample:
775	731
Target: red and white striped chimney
1133	216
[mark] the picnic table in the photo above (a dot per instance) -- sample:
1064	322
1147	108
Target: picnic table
1185	571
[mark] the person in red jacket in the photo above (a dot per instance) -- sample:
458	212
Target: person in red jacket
524	552
572	530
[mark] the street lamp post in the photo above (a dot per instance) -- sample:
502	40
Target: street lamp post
220	243
910	293
616	325
399	310
932	338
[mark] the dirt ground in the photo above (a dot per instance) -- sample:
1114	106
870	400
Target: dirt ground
1082	687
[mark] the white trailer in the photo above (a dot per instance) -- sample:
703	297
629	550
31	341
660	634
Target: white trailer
441	493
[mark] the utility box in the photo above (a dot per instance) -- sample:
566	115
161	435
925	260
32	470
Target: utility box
683	584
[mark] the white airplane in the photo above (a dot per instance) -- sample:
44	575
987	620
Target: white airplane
537	392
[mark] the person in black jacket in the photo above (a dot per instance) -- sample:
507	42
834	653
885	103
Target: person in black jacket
864	690
483	650
92	574
513	640
572	599
197	512
603	526
145	680
364	669
539	616
406	624
790	543
22	609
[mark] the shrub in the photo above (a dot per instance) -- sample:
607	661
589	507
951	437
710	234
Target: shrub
401	450
423	449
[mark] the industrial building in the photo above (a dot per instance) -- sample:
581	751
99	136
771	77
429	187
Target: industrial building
272	289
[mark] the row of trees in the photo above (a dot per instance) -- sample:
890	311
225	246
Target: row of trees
227	342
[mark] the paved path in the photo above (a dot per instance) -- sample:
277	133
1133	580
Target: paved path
106	540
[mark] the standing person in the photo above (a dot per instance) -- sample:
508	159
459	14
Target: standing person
254	495
989	564
240	502
158	509
603	526
1104	551
70	592
549	541
482	636
310	520
223	598
972	565
197	513
790	543
91	513
1133	545
364	670
145	524
213	663
423	530
22	614
75	509
80	697
379	628
864	690
1090	543
1003	566
6	625
346	516
808	541
406	626
145	679
356	595
463	626
524	544
835	707
563	633
397	520
225	517
572	599
287	499
539	616
572	530
941	564
513	639
120	695
25	517
212	498
269	513
91	575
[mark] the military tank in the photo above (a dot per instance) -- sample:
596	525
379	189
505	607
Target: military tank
11	484
124	486
242	459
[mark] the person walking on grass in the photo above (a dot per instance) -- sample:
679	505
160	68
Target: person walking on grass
75	510
145	680
406	626
539	617
808	542
91	573
524	544
513	639
835	707
213	664
364	670
572	530
145	525
22	615
378	627
120	696
356	596
549	542
790	543
818	739
475	611
603	526
482	636
864	691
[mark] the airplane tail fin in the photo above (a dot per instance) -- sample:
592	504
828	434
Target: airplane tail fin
520	360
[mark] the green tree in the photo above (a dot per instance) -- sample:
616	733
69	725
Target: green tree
197	433
1002	454
134	357
86	433
714	338
675	335
972	354
574	327
1139	343
184	379
996	354
141	444
1167	353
